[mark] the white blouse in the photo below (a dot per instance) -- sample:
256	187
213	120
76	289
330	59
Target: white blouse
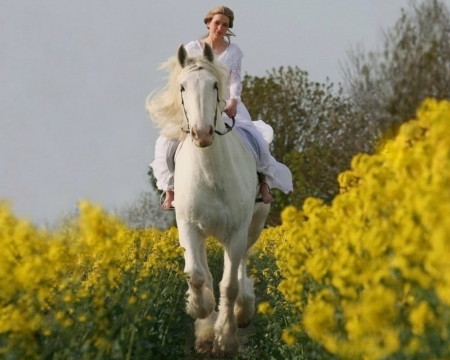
231	57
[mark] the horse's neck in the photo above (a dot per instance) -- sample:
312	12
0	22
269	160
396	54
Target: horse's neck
216	161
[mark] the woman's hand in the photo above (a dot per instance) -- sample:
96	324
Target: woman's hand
231	108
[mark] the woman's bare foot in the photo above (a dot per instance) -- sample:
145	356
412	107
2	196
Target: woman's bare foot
167	204
265	193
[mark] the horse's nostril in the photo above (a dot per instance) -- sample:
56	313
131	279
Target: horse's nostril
211	130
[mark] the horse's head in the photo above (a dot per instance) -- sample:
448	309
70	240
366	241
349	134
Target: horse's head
200	87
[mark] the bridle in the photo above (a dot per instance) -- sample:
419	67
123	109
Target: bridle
228	127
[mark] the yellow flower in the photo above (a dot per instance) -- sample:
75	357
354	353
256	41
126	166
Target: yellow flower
68	322
132	300
319	319
290	215
380	245
420	316
288	337
265	308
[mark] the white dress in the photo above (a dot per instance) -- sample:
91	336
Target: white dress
257	135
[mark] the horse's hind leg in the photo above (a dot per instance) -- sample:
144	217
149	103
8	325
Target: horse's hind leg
226	327
201	300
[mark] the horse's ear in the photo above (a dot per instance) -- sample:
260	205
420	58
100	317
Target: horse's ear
182	55
208	52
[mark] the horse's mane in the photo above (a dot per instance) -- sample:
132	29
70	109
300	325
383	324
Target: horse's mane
164	106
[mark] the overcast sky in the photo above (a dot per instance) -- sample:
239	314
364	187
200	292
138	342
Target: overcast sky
74	76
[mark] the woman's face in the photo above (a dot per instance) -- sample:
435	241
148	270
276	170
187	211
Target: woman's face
218	26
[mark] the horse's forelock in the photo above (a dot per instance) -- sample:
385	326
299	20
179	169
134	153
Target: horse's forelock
216	68
164	107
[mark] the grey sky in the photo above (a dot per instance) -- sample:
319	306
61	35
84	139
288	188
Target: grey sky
74	76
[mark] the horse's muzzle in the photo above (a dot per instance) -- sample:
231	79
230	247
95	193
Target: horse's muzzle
202	137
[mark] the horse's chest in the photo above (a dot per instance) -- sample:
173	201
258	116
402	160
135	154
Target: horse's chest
213	188
213	211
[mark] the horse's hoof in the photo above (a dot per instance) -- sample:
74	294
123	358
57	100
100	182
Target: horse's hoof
204	334
203	347
228	347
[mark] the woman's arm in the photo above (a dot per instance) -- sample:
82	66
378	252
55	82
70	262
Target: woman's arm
235	76
235	83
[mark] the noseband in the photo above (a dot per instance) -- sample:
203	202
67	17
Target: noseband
228	127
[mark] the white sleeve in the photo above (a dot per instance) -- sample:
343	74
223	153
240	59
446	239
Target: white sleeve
235	74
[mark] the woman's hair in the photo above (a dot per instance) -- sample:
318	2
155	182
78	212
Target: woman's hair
221	10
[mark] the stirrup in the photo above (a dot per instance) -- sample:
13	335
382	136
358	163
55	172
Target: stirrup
161	201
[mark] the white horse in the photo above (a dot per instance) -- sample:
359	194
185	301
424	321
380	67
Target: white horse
215	185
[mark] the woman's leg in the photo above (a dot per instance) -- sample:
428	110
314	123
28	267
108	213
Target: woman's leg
164	167
264	189
276	174
167	204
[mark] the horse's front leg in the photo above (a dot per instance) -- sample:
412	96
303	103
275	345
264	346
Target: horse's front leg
244	307
201	300
245	303
225	328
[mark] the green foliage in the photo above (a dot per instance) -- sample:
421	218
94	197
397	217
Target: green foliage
314	130
387	86
312	164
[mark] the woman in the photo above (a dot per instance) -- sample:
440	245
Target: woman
219	21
